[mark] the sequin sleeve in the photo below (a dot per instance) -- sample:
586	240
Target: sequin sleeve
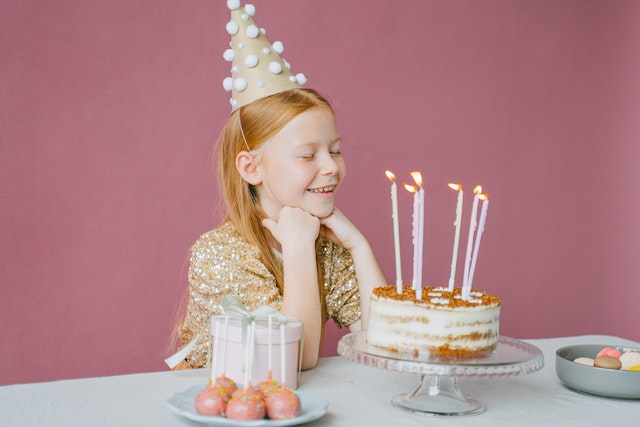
340	284
222	264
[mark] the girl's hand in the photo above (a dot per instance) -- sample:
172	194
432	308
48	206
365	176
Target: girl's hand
293	227
181	366
337	228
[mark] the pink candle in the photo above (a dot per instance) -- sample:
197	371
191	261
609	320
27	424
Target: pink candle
472	230
396	229
456	237
414	232
483	220
420	242
419	238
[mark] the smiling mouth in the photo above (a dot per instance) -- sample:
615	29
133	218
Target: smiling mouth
325	189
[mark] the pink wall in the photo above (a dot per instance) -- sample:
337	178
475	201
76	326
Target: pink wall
109	111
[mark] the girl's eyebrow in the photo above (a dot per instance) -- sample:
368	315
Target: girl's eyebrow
315	143
335	140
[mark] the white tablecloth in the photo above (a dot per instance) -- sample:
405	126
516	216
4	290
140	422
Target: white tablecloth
358	396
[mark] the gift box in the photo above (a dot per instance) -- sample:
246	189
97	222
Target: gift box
238	342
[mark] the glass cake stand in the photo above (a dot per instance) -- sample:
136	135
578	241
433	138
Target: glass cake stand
438	393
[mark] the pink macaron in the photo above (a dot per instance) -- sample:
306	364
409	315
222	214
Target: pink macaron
608	351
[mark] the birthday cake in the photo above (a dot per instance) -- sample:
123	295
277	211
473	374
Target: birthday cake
441	323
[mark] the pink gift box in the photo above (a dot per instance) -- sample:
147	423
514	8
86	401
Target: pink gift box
234	367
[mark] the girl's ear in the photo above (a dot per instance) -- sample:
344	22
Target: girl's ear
248	168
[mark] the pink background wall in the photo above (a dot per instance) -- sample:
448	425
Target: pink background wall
109	112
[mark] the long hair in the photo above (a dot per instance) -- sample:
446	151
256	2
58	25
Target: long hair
259	121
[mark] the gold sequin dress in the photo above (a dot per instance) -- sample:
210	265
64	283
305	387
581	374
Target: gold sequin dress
223	263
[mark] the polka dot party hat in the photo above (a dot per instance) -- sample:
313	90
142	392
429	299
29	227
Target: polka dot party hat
257	70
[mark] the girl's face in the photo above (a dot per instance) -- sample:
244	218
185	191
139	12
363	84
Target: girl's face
302	166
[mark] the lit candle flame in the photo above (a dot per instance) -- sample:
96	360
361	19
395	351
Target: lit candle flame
417	177
483	196
390	175
453	186
478	189
410	188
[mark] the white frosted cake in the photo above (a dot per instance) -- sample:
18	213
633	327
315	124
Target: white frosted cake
442	323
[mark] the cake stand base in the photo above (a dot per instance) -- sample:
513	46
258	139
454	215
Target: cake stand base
438	396
438	393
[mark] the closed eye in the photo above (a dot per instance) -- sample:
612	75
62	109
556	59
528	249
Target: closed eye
334	148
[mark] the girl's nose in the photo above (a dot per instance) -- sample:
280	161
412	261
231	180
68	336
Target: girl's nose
329	165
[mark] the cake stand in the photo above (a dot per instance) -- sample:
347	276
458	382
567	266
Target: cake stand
438	393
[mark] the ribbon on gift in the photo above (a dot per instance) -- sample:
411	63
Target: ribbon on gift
234	309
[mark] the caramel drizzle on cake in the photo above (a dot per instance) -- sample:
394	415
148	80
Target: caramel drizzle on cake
454	297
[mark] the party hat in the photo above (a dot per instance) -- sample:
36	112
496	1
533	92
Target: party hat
257	70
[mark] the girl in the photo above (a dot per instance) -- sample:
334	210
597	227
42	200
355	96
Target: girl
283	241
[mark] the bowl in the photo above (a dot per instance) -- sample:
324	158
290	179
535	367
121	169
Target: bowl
593	380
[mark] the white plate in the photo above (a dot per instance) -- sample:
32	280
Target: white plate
182	403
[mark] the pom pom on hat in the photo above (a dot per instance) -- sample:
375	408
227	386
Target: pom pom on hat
257	70
233	4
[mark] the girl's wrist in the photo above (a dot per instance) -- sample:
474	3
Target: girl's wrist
360	246
357	242
299	250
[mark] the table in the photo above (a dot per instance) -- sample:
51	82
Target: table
358	396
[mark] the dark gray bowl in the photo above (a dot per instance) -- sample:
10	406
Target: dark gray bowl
589	379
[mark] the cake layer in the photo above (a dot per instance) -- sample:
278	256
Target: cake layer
441	323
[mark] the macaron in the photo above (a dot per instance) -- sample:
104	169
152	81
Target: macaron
608	351
607	362
630	358
584	361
